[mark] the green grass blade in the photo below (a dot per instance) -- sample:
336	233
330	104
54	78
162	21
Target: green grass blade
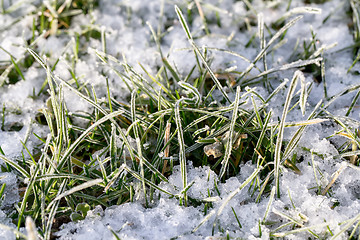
28	190
16	166
354	101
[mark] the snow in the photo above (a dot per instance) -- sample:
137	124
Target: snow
129	37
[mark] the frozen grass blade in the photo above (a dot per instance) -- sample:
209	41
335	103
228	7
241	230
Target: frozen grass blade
113	147
171	69
15	231
102	169
182	157
116	175
155	80
341	93
277	90
297	135
194	90
271	199
72	147
354	101
335	176
183	22
206	218
28	190
290	218
233	194
356	20
231	53
52	211
296	64
197	50
16	166
262	39
279	139
138	144
272	40
151	184
303	94
79	188
229	144
261	138
299	10
303	229
347	154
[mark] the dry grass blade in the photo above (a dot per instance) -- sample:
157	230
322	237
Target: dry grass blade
31	229
335	176
167	144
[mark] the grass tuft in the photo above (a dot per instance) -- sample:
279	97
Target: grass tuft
121	152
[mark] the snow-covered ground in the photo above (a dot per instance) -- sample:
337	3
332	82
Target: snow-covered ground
127	34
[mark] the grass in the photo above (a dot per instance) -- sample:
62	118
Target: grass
167	121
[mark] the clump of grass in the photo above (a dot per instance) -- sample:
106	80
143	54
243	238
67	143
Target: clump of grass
126	149
67	173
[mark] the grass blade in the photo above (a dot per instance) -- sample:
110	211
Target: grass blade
279	139
303	94
233	194
197	50
137	139
272	40
229	143
182	157
85	134
79	188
